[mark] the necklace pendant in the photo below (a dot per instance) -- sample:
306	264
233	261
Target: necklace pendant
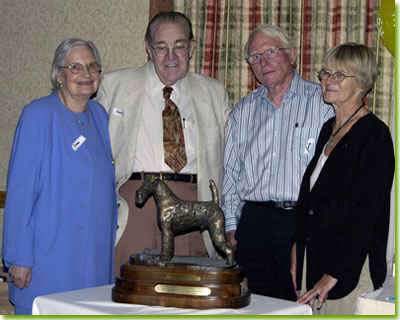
329	143
80	122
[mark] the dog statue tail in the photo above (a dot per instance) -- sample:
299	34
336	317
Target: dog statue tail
214	192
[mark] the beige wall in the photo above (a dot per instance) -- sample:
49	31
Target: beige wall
30	31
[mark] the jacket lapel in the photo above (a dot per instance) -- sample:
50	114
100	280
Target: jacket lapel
132	106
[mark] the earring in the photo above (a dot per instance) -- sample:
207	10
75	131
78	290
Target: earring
59	85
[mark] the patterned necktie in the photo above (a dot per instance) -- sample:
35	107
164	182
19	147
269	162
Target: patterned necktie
174	142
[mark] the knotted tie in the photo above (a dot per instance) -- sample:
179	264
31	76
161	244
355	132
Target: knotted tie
174	141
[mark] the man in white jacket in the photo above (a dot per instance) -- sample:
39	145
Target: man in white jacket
133	98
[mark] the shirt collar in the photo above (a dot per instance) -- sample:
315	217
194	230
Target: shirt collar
297	85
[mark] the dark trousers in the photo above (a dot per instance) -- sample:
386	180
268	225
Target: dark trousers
263	250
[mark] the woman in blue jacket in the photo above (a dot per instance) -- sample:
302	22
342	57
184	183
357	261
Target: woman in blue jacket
61	212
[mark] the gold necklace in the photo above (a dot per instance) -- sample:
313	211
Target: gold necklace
74	115
77	119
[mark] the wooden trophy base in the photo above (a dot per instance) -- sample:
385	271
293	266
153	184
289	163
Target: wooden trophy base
184	282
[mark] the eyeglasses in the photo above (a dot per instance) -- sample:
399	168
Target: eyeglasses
337	76
180	50
270	53
77	68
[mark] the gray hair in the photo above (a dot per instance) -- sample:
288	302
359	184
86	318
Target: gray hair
272	31
169	17
63	50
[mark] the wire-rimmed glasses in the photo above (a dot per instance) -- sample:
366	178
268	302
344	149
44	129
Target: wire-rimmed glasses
77	68
337	76
179	49
270	53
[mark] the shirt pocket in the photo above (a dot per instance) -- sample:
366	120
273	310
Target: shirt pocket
304	142
190	136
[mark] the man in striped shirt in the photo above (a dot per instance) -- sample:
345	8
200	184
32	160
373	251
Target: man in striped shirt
272	133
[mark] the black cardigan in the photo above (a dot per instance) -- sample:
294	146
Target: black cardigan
345	217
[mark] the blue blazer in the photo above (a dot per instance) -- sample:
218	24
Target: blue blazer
48	204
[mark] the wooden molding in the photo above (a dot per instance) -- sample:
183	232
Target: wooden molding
2	199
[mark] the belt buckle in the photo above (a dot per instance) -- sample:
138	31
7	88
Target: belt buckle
162	173
286	205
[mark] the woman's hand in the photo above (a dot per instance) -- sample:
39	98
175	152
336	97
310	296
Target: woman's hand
231	237
320	291
20	276
293	266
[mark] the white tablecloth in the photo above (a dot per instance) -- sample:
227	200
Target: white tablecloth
378	302
97	301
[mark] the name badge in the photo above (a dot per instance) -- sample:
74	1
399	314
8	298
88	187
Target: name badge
118	112
78	142
309	145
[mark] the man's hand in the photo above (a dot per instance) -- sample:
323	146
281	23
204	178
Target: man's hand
293	266
20	276
231	237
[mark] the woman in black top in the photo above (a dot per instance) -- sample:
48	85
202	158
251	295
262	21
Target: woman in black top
344	201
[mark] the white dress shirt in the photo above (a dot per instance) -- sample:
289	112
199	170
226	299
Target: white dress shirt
150	151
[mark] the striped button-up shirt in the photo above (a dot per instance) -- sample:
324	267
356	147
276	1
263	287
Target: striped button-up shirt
268	149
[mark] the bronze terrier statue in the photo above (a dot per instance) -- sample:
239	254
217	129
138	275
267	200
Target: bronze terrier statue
175	215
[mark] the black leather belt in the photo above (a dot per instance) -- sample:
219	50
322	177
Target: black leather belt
287	205
190	178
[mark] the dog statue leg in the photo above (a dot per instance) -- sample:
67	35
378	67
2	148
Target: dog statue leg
167	248
221	242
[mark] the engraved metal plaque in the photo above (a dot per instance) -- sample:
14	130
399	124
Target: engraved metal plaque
173	289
